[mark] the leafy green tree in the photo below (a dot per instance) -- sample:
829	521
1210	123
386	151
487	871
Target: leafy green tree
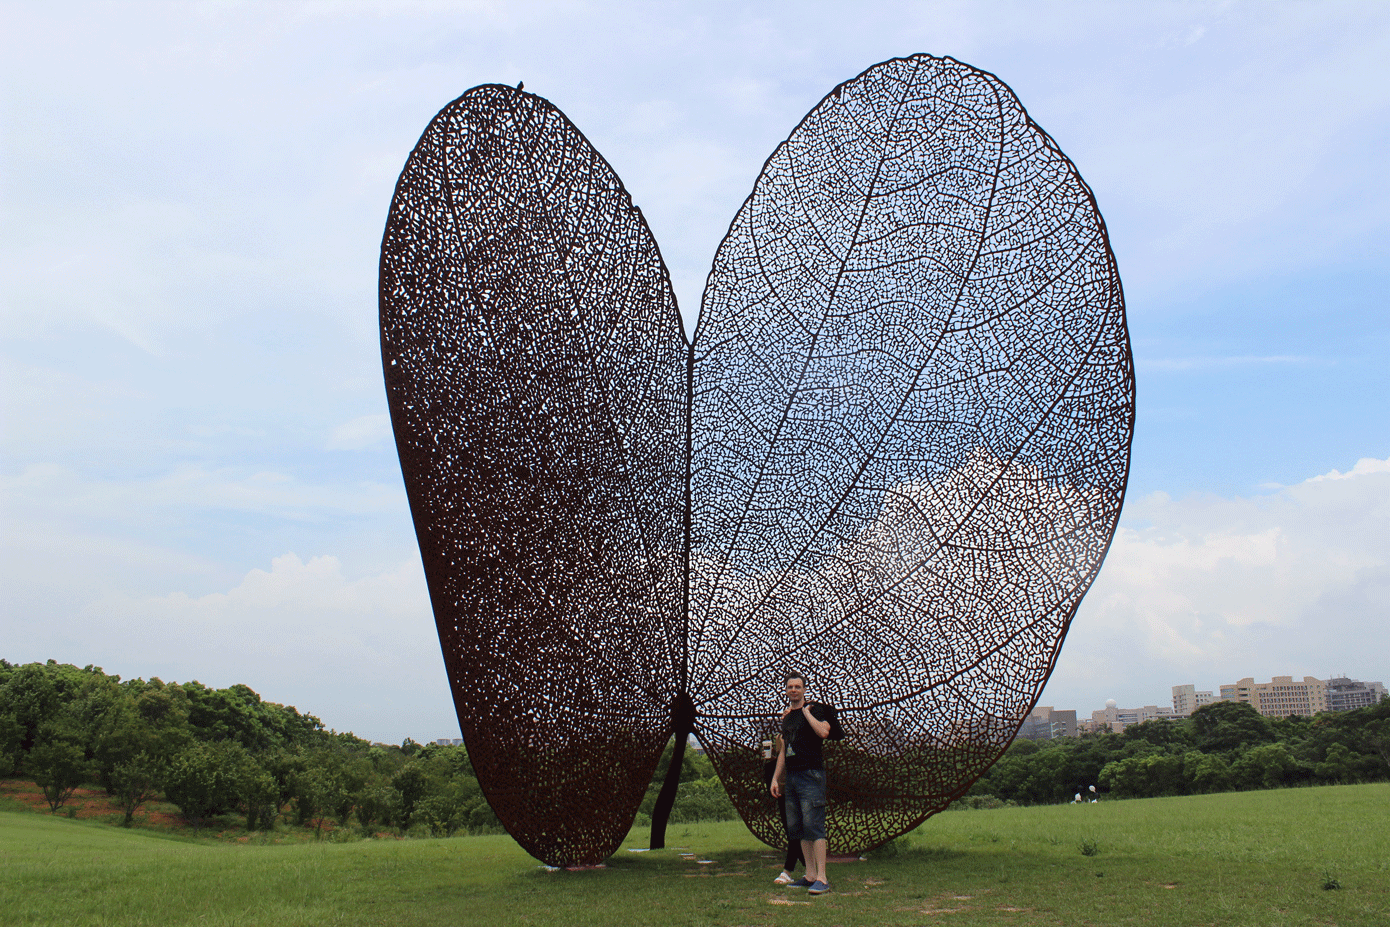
159	704
412	784
1123	777
1265	766
385	761
337	770
351	774
1338	765
1144	776
1206	772
59	765
441	813
702	800
1048	779
99	704
283	766
1088	755
11	738
202	781
31	694
377	802
119	737
455	802
482	818
1173	735
135	781
1006	777
258	793
1228	726
1375	732
311	789
152	719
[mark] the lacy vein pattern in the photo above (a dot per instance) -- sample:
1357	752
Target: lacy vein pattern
893	457
536	371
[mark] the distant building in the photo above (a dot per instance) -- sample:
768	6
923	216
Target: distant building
1046	723
1116	719
450	741
1344	694
1281	697
1234	693
1186	700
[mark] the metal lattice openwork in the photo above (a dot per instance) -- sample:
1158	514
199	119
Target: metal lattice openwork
893	457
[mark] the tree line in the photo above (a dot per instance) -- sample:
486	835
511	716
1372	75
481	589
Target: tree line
216	752
1226	746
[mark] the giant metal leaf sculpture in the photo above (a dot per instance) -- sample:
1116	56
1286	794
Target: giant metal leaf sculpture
893	456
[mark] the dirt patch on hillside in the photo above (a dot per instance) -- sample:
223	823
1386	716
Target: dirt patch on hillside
90	804
95	805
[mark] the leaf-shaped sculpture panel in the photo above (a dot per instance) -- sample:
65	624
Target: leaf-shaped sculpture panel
912	409
537	374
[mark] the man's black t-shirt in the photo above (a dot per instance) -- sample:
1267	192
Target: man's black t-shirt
803	746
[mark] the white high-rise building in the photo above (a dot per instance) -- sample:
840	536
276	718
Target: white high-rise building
1186	700
1116	719
1281	696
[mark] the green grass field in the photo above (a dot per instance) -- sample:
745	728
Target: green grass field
1257	858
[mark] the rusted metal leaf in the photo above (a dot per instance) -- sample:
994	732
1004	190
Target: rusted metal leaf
893	458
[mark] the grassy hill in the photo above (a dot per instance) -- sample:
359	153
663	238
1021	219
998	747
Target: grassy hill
1257	858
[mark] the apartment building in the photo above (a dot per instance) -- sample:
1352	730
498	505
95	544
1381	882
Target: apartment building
1047	723
1280	697
1186	700
1344	694
1114	718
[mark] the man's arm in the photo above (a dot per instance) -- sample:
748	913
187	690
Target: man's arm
822	728
776	787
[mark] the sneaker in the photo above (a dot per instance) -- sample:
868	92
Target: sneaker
784	878
802	882
818	888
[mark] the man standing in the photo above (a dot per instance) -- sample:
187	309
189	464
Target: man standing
804	727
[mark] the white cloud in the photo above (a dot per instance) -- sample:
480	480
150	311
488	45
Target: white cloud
69	539
49	490
1364	467
360	653
361	432
1207	590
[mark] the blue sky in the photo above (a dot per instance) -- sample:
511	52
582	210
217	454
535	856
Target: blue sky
196	473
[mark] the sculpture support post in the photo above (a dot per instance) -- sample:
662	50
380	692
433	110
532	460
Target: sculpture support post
683	723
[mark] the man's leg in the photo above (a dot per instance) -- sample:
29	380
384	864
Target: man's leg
793	810
806	813
816	852
813	827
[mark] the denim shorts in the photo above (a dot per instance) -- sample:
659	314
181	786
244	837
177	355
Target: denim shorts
805	799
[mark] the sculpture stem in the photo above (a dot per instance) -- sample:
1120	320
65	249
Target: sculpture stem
683	724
